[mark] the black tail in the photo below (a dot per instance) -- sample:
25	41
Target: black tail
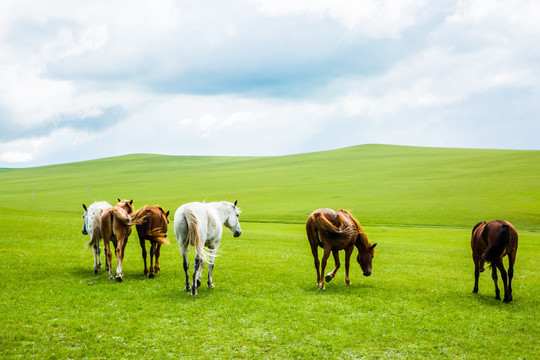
493	254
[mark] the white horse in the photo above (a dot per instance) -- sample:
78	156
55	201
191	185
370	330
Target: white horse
201	225
92	227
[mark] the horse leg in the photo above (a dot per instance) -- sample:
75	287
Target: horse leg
156	263
476	274
211	259
500	265
494	277
196	265
184	251
326	254
348	253
142	241
120	246
152	254
315	252
199	273
108	254
97	257
511	262
331	274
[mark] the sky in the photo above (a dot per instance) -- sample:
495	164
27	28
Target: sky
93	79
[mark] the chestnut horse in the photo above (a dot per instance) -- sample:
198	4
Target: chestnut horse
334	231
116	225
154	229
490	242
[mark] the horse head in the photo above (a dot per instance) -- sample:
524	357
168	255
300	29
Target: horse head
127	205
85	215
231	220
365	257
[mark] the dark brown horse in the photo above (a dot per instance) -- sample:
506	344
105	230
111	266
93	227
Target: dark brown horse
490	242
116	225
334	231
154	229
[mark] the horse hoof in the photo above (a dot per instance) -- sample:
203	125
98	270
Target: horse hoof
211	286
328	278
119	279
95	271
151	276
198	283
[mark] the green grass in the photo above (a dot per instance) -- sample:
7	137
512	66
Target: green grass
418	204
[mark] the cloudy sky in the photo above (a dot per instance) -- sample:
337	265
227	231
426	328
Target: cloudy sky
85	80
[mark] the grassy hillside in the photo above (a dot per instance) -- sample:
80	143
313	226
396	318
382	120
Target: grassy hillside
418	204
381	185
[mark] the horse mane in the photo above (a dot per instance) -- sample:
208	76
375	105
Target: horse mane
362	237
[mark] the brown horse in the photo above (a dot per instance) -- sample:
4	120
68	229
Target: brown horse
334	231
490	242
116	225
154	229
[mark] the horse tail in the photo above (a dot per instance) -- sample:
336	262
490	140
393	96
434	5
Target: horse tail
158	235
494	252
96	228
139	217
135	218
192	237
322	224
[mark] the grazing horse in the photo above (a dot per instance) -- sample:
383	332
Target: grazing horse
334	231
92	227
116	225
201	224
490	242
154	229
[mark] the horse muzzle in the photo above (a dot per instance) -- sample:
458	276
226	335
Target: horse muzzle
84	232
237	233
367	273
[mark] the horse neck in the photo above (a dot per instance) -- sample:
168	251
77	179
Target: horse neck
221	210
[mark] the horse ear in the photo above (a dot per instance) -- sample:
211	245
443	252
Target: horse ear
119	200
235	202
131	202
84	206
167	214
373	246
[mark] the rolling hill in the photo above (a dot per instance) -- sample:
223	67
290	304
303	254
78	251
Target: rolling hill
380	184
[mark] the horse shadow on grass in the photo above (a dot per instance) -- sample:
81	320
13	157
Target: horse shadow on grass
86	273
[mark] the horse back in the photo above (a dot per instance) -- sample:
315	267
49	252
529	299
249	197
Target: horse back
326	226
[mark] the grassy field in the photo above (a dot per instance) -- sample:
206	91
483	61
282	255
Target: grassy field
418	204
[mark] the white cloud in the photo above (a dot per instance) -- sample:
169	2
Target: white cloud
374	19
16	157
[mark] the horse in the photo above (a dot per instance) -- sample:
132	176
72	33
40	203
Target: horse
334	231
201	224
116	225
153	228
92	227
490	242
